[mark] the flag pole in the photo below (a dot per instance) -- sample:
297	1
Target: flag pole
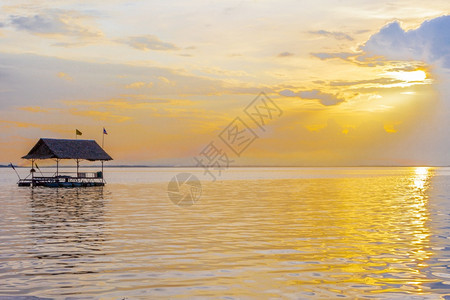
103	136
12	166
37	167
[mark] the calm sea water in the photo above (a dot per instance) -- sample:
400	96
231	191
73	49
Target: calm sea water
255	233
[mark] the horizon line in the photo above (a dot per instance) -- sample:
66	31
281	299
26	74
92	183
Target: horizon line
238	166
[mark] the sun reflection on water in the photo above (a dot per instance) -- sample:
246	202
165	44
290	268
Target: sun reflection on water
361	233
421	177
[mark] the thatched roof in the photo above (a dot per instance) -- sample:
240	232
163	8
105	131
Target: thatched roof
67	149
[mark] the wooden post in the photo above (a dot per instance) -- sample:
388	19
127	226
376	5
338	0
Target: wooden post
57	167
32	173
78	166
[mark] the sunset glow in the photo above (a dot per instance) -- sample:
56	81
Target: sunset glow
238	149
166	79
409	76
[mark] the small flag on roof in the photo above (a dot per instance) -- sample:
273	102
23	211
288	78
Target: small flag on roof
104	131
77	132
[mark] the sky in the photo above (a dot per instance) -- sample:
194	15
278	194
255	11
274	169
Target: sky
341	83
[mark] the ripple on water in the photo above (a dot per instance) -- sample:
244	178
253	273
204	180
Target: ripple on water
304	233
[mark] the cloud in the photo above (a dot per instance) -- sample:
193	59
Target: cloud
93	80
34	109
64	76
285	54
124	103
39	24
429	43
9	124
148	42
55	23
99	115
324	98
334	34
358	58
166	81
138	85
375	82
341	55
223	72
131	108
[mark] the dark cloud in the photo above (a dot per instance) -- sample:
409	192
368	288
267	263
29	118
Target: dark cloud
362	31
324	98
334	34
38	24
357	58
381	81
406	68
341	55
429	43
54	23
285	54
148	42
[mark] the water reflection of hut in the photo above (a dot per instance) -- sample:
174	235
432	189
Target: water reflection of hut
67	229
59	149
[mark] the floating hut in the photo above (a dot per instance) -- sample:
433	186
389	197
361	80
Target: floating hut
58	149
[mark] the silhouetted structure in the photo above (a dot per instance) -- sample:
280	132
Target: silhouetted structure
59	149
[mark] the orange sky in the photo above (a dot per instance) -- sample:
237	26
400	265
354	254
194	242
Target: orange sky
356	84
